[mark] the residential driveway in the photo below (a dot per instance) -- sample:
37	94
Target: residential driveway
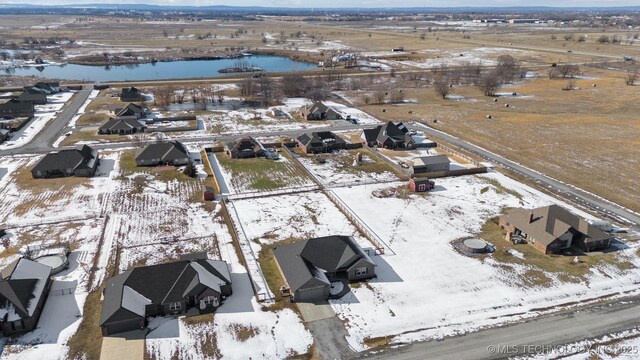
327	330
313	312
128	345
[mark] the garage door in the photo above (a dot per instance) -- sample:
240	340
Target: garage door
122	326
310	294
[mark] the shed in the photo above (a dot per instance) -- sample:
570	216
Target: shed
421	185
427	164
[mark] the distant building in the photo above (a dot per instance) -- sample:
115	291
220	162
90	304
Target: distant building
131	94
24	287
524	21
36	96
121	126
16	108
165	153
552	229
246	147
389	136
320	142
4	135
310	266
72	162
319	111
160	290
427	164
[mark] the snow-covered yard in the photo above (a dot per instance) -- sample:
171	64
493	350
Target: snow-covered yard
456	57
425	289
44	114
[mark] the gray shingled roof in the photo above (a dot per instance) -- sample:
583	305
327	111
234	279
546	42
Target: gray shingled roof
121	123
68	159
167	151
431	160
22	285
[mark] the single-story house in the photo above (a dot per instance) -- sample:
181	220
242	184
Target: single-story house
319	142
72	162
427	164
389	136
131	110
24	287
552	229
421	184
4	135
311	265
319	111
158	290
36	96
131	94
246	147
47	87
16	108
121	125
164	153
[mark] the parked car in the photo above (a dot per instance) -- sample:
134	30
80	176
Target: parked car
272	154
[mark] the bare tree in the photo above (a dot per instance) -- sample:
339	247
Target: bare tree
379	95
553	72
294	85
631	77
489	83
366	98
506	68
568	70
442	86
248	88
396	96
571	85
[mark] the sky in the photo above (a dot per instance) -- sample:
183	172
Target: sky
344	3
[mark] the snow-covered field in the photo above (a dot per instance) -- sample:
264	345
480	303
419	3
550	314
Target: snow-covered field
456	57
44	114
339	169
425	289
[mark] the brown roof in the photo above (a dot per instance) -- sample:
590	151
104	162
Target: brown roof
548	223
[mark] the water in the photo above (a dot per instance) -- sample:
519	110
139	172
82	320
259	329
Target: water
160	70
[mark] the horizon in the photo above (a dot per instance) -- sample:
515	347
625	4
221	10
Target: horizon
329	4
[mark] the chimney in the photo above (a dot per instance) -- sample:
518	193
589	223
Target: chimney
530	217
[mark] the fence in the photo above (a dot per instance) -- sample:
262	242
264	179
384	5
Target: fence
257	194
358	223
460	155
459	172
376	153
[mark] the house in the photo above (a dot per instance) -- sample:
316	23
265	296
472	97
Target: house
389	136
36	96
166	289
421	185
276	112
72	162
246	147
131	94
164	153
47	87
4	135
311	265
427	164
319	142
131	110
16	108
319	111
24	287
121	125
552	229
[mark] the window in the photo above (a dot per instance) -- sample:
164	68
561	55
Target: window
361	271
175	306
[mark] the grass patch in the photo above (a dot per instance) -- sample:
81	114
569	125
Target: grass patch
540	265
93	136
89	119
500	189
274	278
262	174
243	332
86	343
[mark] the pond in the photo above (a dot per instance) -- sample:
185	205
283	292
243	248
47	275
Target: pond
161	70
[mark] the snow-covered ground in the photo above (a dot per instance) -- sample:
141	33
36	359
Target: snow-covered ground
339	168
425	289
456	57
44	114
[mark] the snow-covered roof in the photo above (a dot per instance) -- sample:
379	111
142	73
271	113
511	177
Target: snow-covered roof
134	301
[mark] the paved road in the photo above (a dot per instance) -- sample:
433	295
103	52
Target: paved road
541	333
592	201
44	140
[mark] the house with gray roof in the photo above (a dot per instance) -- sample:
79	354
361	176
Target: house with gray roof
81	162
47	87
319	111
16	108
134	110
166	289
389	136
246	147
311	265
320	142
34	95
131	94
428	164
164	153
553	229
121	125
24	287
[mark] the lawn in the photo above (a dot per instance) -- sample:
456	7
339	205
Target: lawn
260	174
